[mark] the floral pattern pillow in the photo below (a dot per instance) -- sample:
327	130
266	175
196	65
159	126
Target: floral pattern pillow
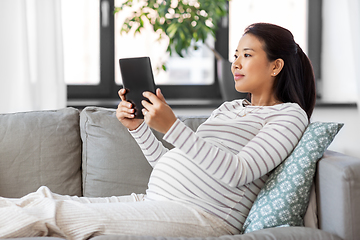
285	196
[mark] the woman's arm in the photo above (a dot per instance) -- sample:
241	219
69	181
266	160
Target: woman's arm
272	144
152	148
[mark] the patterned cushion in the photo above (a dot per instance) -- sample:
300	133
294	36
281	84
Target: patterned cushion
285	196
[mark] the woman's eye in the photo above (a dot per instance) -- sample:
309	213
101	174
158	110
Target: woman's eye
247	55
235	56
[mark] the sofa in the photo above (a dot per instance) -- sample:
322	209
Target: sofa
89	153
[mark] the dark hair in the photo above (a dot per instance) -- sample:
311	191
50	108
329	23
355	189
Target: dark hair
296	81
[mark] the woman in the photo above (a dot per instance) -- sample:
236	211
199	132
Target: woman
206	185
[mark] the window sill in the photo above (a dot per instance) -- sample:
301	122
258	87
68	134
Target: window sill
174	103
187	103
321	104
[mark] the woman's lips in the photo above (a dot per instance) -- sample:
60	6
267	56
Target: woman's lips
238	76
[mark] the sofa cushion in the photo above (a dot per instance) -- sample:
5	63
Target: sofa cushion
40	148
298	233
285	196
113	164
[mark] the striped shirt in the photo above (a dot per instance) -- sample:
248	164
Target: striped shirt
222	166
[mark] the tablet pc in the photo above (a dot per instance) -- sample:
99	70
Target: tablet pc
137	77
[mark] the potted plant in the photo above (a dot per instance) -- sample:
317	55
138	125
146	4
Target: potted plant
183	22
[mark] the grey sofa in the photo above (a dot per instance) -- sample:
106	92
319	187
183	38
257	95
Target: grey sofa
89	153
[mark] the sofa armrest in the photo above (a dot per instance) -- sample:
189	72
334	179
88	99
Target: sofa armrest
338	194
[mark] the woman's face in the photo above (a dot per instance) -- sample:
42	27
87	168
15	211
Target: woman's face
252	70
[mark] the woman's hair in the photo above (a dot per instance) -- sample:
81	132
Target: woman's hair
296	81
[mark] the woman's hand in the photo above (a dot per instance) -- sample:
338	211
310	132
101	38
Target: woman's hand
158	114
125	113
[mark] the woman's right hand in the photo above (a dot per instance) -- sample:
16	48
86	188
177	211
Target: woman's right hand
125	113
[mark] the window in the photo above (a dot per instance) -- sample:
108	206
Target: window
91	36
301	17
93	82
88	32
291	14
196	69
81	41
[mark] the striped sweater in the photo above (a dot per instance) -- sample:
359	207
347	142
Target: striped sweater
222	166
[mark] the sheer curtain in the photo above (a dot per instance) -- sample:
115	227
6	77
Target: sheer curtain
31	59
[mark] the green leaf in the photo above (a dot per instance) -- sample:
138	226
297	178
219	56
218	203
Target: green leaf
178	29
171	30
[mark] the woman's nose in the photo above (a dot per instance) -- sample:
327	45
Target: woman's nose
236	64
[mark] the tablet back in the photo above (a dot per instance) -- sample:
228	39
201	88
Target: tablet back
137	77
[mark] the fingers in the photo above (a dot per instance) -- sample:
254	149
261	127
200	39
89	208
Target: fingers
160	95
125	110
149	106
155	99
157	113
152	97
144	112
155	104
122	93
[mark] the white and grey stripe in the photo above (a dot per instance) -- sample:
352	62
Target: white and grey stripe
222	166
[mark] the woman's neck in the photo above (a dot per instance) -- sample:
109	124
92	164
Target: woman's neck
264	101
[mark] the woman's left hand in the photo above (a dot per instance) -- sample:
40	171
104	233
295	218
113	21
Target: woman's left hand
157	114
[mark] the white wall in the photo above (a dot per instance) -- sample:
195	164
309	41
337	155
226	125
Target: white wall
348	139
338	75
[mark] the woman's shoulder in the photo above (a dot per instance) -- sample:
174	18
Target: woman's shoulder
287	111
282	108
242	107
289	107
241	103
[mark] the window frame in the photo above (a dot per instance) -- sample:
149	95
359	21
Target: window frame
315	35
107	88
107	82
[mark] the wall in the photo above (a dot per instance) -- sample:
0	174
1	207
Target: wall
338	72
340	80
348	139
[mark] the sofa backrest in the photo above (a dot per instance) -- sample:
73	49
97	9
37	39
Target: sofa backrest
40	148
112	163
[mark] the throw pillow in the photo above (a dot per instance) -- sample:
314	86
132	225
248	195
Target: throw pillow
285	196
40	148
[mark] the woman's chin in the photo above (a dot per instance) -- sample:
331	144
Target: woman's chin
240	90
239	87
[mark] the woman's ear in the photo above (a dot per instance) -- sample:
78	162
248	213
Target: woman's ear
277	66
